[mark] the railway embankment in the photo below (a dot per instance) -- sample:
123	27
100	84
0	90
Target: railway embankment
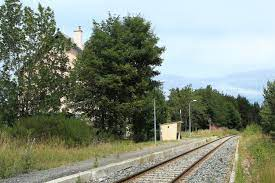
133	162
98	167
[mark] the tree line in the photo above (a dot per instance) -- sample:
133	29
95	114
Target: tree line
211	106
113	82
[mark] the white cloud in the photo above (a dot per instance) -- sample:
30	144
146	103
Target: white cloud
218	56
237	90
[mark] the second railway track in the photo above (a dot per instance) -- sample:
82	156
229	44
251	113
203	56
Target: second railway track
176	168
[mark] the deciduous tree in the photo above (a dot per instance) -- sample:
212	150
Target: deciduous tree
33	63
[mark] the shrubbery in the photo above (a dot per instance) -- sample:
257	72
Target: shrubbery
257	158
43	127
252	129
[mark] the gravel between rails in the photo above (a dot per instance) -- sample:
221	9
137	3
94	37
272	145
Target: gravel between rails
217	168
163	174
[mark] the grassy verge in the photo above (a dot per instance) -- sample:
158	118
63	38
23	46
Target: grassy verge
256	157
210	133
18	157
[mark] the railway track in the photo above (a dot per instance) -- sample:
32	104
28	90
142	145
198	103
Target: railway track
176	168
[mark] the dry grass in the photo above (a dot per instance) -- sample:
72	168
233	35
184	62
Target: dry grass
210	133
18	157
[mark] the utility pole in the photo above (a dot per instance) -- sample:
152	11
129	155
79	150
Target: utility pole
181	118
190	116
155	122
209	121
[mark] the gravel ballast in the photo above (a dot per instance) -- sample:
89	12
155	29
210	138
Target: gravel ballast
217	168
165	173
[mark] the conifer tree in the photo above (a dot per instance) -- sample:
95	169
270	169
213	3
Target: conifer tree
268	110
115	71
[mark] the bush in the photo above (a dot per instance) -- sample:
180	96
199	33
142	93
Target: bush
252	129
104	137
43	127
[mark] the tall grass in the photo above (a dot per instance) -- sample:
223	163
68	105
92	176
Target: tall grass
257	157
21	155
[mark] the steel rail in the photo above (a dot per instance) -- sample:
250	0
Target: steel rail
184	173
138	174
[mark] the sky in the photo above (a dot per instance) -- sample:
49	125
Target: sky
205	40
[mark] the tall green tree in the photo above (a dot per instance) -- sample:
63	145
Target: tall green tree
115	72
256	118
43	77
11	37
33	64
268	110
179	100
11	41
214	103
233	117
267	119
245	109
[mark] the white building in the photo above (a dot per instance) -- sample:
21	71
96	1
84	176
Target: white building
77	39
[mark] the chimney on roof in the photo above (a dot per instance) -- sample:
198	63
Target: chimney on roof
78	37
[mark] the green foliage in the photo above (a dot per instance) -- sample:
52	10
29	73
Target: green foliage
8	101
178	100
257	158
72	131
143	125
268	110
249	113
233	117
42	79
12	37
78	180
115	72
211	106
11	40
269	95
16	155
215	105
252	129
33	64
